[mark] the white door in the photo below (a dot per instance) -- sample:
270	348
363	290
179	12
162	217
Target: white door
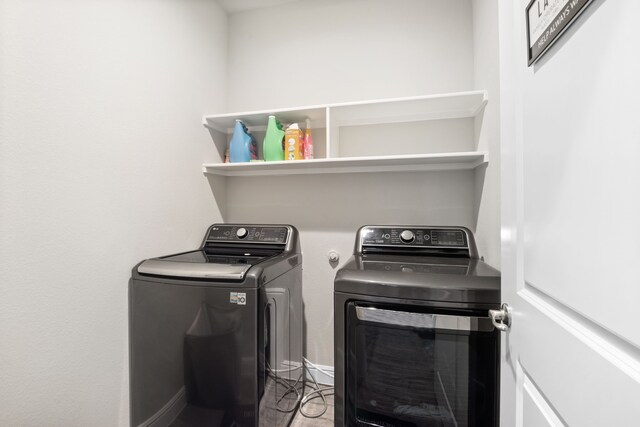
570	132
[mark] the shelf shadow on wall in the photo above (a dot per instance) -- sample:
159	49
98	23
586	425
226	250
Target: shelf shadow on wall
218	185
480	173
477	130
344	202
220	141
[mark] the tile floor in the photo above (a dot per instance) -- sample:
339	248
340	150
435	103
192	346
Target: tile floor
314	407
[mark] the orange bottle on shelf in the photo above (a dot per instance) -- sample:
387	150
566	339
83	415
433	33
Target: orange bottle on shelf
293	143
308	142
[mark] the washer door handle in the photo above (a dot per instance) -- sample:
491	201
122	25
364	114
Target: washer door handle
501	319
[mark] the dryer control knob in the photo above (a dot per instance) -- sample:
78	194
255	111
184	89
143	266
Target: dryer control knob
407	236
242	233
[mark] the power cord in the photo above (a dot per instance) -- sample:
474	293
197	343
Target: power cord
318	392
292	387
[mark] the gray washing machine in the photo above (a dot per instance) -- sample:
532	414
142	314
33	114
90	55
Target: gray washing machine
215	334
414	344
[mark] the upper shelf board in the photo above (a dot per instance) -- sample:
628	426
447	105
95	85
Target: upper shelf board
401	163
257	120
413	109
397	110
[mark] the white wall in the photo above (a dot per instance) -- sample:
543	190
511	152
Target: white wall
314	52
486	60
335	51
100	166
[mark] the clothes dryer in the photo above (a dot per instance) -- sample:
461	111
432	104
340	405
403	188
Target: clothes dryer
414	344
215	334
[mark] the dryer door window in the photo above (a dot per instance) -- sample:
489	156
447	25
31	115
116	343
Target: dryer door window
410	368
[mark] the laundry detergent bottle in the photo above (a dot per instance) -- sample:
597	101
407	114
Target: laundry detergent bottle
308	143
242	145
272	145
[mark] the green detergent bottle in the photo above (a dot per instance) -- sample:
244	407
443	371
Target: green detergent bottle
272	145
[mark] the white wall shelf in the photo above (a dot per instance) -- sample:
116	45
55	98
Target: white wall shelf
330	118
257	120
406	163
416	108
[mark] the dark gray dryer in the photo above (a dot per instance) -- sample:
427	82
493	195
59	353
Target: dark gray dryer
414	345
216	333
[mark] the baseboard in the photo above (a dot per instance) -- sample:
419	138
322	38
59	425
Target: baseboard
321	377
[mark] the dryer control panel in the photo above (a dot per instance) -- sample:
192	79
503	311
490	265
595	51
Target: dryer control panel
414	238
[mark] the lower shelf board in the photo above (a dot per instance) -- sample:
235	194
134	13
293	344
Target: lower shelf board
401	163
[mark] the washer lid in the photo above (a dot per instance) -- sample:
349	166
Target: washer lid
210	263
227	252
161	267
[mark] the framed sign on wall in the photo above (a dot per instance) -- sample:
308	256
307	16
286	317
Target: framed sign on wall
546	21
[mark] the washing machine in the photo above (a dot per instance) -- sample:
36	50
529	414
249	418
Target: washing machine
215	334
414	344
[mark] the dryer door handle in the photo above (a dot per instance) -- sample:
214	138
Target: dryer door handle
424	320
501	318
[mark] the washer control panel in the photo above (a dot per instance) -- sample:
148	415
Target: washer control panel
414	237
248	233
